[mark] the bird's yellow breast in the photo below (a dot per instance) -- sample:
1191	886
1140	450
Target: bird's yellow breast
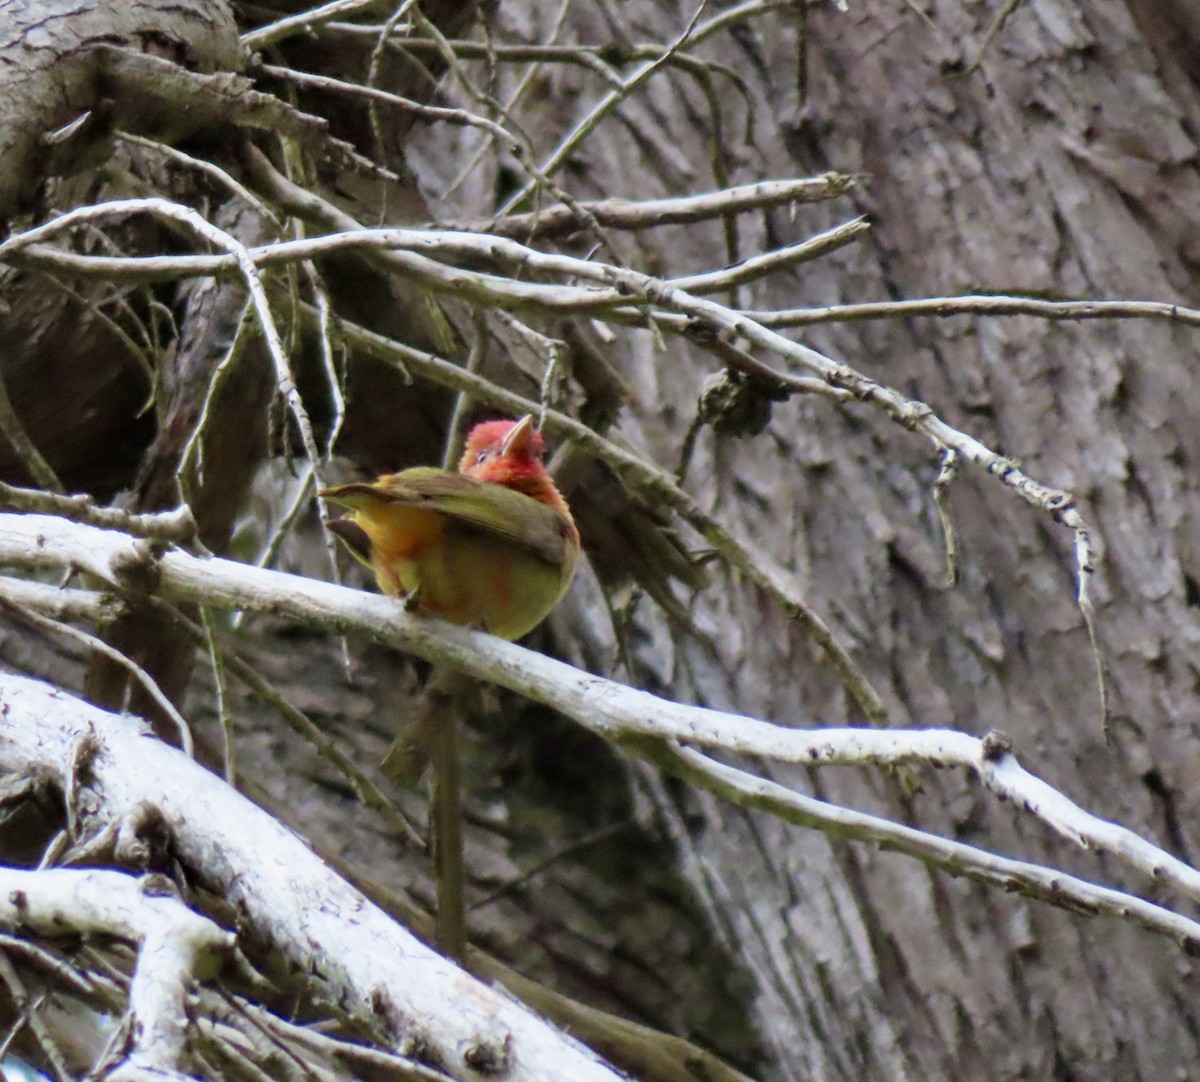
458	573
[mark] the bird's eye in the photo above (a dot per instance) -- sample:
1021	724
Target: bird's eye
482	457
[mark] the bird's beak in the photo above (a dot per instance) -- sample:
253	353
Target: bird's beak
519	442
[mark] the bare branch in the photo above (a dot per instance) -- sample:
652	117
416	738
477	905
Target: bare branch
61	602
615	712
302	22
756	267
175	945
947	472
651	213
173	526
987	304
350	950
1045	884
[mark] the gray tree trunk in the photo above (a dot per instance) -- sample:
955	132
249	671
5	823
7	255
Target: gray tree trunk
1056	158
1062	166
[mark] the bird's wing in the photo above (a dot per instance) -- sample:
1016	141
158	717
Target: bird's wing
480	505
354	537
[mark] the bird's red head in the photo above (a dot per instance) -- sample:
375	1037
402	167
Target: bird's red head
502	451
510	453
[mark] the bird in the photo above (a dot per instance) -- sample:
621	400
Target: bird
492	546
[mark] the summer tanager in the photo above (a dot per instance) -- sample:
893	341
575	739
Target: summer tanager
492	546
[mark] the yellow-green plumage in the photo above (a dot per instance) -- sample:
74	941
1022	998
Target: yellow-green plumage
495	551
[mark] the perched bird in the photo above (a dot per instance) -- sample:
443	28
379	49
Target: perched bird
492	546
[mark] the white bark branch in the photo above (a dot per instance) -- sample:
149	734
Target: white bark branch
176	946
1035	881
219	238
683	210
376	969
301	23
61	602
616	712
418	254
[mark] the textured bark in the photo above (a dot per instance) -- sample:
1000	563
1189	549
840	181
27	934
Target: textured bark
1064	164
53	74
232	451
1061	167
55	80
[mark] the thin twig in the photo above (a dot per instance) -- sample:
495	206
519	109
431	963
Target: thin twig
947	472
217	662
301	495
986	304
301	23
26	450
1002	16
456	430
568	850
192	456
56	627
759	266
368	792
680	210
373	67
338	401
290	1035
27	1008
447	819
176	526
337	397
